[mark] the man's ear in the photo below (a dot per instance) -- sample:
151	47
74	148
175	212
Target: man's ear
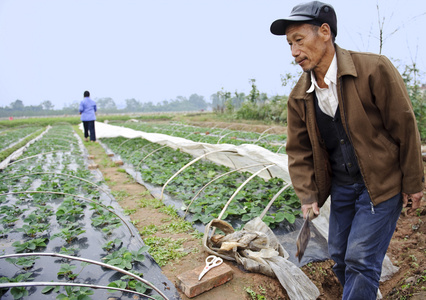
325	31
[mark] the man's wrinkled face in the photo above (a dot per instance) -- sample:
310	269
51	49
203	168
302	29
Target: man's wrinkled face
306	44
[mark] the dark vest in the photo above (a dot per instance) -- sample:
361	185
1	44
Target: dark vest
344	165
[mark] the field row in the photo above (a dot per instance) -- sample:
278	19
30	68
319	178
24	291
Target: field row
50	203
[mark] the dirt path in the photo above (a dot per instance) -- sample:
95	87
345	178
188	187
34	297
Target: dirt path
407	250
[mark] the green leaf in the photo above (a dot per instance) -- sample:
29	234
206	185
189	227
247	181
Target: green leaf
279	217
290	217
18	292
50	288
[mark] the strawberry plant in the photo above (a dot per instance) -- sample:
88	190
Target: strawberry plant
30	245
69	233
17	292
71	292
124	258
24	263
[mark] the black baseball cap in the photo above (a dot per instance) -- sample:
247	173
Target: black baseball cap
314	12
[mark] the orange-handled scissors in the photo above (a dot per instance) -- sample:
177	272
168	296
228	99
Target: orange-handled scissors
211	262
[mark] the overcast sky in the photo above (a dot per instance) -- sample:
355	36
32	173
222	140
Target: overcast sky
159	49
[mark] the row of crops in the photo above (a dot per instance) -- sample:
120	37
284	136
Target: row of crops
9	137
204	188
62	235
12	139
273	142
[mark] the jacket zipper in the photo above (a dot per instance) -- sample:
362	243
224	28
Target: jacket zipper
350	139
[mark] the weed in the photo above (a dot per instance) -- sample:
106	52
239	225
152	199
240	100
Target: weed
145	193
153	203
149	230
196	234
135	222
106	163
130	179
169	210
253	294
120	195
177	226
129	211
164	250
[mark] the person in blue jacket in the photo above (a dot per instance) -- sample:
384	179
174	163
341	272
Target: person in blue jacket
88	116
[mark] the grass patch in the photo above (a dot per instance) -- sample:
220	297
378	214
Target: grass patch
177	226
169	210
120	195
253	295
106	163
129	211
150	202
148	230
164	250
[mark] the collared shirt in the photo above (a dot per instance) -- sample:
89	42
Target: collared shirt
327	97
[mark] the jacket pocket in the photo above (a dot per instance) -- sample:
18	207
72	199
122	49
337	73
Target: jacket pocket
388	144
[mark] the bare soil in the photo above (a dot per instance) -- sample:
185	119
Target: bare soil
407	248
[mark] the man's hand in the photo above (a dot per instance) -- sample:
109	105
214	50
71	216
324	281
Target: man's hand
313	206
414	198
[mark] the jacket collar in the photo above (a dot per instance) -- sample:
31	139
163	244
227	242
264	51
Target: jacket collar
345	66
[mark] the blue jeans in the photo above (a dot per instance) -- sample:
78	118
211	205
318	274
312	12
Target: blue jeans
359	236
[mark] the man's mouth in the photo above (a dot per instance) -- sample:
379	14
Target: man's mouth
300	61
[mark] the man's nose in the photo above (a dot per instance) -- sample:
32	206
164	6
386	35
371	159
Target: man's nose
295	50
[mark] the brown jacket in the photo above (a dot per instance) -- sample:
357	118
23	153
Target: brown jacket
378	117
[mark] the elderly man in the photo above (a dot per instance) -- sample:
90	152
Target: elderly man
352	134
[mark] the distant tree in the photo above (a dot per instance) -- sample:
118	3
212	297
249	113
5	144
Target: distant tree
73	107
254	93
33	108
47	105
197	102
219	100
133	105
106	104
148	107
17	105
238	99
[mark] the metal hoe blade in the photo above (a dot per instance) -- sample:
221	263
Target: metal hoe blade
303	239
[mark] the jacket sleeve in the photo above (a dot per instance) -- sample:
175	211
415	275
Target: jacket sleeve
399	120
81	108
300	155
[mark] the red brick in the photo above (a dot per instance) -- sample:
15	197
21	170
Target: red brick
119	162
189	284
